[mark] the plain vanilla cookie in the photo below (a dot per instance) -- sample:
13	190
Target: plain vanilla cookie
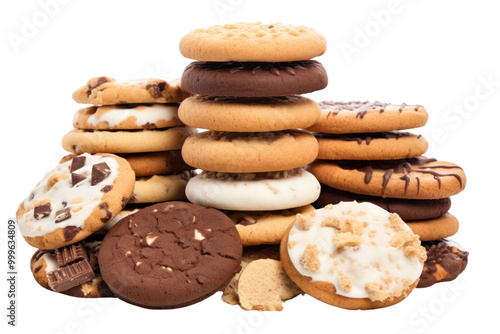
249	114
361	117
435	228
156	163
353	255
105	91
253	192
265	227
160	188
127	117
133	141
253	41
371	146
250	152
75	199
413	178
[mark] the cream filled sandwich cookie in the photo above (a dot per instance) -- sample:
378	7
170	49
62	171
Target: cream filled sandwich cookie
353	255
253	191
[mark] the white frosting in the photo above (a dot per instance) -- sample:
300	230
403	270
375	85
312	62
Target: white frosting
254	195
50	261
371	261
84	195
143	114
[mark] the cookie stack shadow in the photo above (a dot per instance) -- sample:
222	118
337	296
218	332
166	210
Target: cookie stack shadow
247	89
137	120
363	156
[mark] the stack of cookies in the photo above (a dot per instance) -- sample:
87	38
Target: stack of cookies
364	157
247	80
137	120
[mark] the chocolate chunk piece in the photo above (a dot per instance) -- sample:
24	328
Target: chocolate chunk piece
70	276
94	258
70	232
77	163
76	178
100	171
106	189
107	214
42	211
62	215
70	254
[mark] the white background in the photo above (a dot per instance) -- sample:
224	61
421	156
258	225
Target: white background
443	55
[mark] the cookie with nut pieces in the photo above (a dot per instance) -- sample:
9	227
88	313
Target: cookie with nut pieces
75	199
170	255
353	255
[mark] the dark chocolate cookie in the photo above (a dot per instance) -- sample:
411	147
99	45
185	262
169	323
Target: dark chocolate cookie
407	209
445	261
254	79
170	255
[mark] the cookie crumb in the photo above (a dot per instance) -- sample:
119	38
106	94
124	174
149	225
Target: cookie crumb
309	259
346	239
302	222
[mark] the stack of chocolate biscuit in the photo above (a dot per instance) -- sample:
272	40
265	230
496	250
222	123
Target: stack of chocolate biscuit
247	80
138	121
363	156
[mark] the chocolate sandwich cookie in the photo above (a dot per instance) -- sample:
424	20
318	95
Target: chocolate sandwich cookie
445	261
253	41
106	91
170	255
249	114
413	178
361	117
72	270
255	152
75	199
254	79
406	209
156	163
371	146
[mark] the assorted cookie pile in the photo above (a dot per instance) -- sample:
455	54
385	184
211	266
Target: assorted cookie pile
260	227
363	156
137	120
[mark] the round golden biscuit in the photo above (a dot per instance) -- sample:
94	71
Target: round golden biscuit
413	178
371	146
253	42
436	228
250	152
249	114
362	117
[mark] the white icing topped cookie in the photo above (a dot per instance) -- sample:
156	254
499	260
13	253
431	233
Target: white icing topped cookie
254	192
61	200
363	250
115	114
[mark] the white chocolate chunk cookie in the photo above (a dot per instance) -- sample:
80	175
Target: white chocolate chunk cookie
353	255
127	117
254	191
75	199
